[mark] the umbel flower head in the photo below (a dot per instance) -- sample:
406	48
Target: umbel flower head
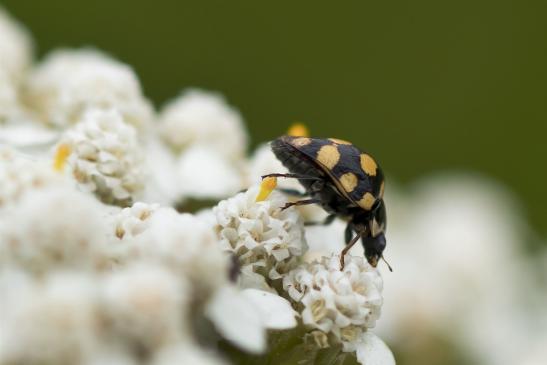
51	321
204	118
337	305
267	241
105	156
69	82
55	227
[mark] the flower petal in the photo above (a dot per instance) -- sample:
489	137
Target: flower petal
371	350
276	311
237	319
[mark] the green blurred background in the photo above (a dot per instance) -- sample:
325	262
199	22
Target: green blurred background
424	85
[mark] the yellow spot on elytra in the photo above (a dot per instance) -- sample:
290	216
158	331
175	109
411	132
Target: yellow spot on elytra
302	141
368	164
266	188
298	130
339	141
367	201
61	156
382	186
328	156
348	181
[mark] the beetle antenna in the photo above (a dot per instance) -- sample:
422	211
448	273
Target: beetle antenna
388	265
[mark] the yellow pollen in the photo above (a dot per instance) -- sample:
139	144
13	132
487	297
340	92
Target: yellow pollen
367	201
348	181
61	156
328	156
368	164
339	141
298	130
266	187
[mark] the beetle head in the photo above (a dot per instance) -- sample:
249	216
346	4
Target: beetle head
375	241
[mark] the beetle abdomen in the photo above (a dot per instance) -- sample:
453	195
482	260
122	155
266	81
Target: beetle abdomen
295	161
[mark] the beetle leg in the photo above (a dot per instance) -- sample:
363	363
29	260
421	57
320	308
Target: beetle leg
294	176
293	192
347	248
328	220
348	233
300	202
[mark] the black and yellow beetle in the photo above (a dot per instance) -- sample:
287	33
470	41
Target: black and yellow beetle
345	181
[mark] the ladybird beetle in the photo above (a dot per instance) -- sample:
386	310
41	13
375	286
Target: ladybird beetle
344	181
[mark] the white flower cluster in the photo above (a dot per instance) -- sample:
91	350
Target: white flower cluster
200	118
15	58
68	83
203	130
97	266
340	303
53	227
467	240
105	156
336	306
20	173
268	241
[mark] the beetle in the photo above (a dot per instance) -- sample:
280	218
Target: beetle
344	181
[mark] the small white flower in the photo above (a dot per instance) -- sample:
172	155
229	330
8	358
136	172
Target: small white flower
20	174
268	241
343	304
106	158
69	82
50	323
55	227
205	173
146	305
132	221
16	48
200	117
